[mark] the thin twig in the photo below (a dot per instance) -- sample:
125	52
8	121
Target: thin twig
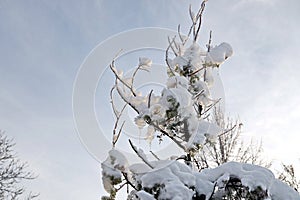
135	72
155	156
211	106
127	180
179	34
139	155
228	130
193	24
118	116
116	138
198	94
196	109
121	186
207	116
116	112
199	19
194	20
197	164
171	46
195	72
124	99
167	59
149	98
113	69
209	41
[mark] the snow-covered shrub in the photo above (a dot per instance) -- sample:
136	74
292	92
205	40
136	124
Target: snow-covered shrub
181	112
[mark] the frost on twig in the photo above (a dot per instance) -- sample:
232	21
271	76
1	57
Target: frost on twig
196	22
118	114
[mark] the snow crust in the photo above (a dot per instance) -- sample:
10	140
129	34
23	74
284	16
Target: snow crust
180	182
280	191
219	54
144	195
112	169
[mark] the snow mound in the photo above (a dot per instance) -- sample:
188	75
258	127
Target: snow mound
219	54
177	181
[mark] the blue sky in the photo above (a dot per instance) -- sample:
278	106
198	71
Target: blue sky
44	42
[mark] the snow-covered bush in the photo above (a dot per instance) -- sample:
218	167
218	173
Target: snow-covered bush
181	113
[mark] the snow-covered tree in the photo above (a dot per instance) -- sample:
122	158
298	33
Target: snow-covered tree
181	113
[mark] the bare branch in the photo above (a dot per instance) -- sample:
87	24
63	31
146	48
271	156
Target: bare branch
113	69
199	19
124	99
209	41
198	94
194	21
167	59
179	34
149	99
171	42
116	136
135	72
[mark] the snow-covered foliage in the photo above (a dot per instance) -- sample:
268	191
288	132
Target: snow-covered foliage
112	169
169	179
178	181
181	112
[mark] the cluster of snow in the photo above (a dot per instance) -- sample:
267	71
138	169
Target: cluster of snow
112	169
178	109
219	54
204	131
170	179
